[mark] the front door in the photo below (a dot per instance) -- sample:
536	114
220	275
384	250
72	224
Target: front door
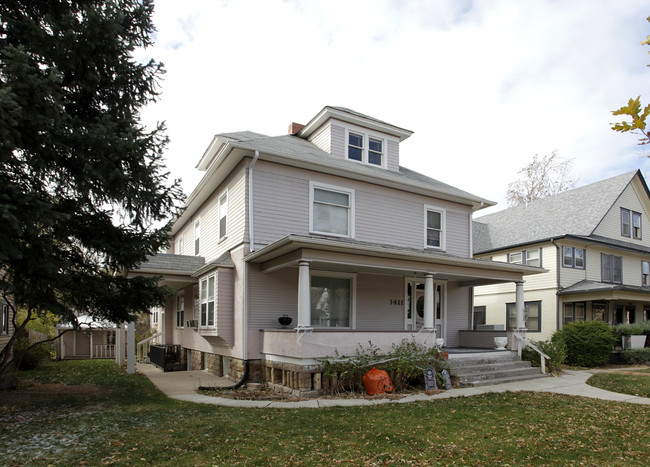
414	306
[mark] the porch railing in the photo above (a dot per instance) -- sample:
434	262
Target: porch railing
523	342
142	350
104	351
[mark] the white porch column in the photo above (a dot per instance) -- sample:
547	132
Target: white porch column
119	344
519	306
428	302
91	344
130	350
304	300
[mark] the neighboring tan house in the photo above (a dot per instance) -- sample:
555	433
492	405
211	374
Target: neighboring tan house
92	339
594	241
322	225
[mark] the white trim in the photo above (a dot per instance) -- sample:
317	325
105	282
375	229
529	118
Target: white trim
324	186
443	227
353	294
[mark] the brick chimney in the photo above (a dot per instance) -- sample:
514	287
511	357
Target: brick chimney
294	128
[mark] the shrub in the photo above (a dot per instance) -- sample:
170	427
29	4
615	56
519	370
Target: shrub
405	363
628	329
636	356
556	350
29	359
588	343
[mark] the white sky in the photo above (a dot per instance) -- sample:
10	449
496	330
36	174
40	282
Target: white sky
484	85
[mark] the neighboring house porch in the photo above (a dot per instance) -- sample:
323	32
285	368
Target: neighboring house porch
92	339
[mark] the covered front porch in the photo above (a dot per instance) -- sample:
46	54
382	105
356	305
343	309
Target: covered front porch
348	293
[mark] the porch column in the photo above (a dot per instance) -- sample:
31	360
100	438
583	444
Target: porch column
130	350
519	306
91	344
304	300
428	302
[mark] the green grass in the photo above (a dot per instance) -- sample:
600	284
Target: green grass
634	382
122	419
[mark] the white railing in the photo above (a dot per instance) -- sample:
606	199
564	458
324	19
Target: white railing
104	351
143	345
523	342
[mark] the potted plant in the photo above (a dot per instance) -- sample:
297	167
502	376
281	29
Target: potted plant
632	336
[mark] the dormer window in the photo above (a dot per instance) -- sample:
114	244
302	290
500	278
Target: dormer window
366	149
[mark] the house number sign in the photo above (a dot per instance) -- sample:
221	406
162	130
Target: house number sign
396	301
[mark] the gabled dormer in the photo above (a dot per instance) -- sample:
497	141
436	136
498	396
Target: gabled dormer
346	134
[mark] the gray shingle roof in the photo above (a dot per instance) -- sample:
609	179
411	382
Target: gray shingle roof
586	286
168	262
573	212
301	149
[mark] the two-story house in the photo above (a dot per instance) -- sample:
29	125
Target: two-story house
593	243
322	225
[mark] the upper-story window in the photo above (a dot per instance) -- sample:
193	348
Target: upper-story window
331	210
532	257
179	245
197	236
630	224
223	215
434	219
366	149
573	257
645	273
611	268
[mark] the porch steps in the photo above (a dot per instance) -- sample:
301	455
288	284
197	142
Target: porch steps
487	368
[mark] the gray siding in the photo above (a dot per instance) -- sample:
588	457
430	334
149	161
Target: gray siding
338	141
458	316
374	311
225	305
382	215
272	295
392	154
322	138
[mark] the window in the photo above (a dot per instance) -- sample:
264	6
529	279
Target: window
599	311
223	215
355	147
207	301
532	315
528	257
331	301
645	273
180	311
4	319
574	312
366	149
179	245
625	222
435	228
154	315
332	210
573	257
197	236
611	268
636	225
479	316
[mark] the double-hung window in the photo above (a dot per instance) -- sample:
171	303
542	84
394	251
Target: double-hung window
434	220
573	257
223	216
630	224
207	301
574	312
645	273
365	148
4	318
154	315
532	257
611	268
532	315
332	210
197	236
180	310
179	245
332	301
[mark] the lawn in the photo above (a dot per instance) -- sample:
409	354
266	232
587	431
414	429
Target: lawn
635	382
92	413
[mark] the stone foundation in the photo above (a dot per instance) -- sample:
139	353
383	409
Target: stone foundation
216	365
296	379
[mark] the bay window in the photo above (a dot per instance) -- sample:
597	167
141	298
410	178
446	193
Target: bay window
207	301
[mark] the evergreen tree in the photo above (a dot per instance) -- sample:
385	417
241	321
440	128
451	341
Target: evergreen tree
84	194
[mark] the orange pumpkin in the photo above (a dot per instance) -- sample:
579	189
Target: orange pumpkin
377	382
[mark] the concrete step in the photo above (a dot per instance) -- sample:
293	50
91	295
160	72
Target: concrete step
509	379
498	374
489	367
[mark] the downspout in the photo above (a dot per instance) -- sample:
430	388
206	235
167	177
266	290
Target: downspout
251	243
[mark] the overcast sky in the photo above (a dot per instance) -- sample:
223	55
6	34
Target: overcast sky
484	85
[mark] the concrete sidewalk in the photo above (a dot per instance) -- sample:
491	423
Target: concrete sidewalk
182	385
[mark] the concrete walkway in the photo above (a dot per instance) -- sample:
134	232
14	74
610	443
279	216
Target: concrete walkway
182	385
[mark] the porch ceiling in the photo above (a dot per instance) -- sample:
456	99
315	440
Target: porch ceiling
350	256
